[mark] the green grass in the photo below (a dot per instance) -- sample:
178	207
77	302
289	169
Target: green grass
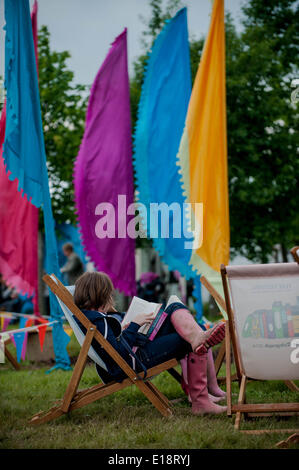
125	419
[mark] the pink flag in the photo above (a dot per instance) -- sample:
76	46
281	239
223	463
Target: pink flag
24	348
18	223
103	170
18	235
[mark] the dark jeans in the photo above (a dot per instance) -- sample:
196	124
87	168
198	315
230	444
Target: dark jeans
167	344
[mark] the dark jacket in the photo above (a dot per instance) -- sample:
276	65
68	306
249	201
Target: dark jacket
130	334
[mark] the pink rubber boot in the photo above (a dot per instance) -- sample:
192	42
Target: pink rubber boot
184	382
184	379
197	381
186	326
213	386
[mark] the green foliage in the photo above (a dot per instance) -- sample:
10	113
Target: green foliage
262	143
261	121
2	93
63	112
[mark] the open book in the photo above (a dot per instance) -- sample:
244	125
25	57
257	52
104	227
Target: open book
139	305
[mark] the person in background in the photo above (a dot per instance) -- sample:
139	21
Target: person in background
10	300
74	267
2	289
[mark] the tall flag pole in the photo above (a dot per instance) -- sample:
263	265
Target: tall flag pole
103	172
202	156
24	149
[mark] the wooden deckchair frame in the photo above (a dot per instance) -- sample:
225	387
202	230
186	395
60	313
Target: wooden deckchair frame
242	408
74	399
295	254
222	351
10	357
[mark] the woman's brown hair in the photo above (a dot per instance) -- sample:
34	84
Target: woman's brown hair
93	290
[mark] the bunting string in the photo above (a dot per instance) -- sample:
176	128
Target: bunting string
27	329
22	315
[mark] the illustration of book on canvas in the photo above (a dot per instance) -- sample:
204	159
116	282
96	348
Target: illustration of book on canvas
282	321
139	305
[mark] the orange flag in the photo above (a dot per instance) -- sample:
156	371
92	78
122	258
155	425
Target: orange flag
42	333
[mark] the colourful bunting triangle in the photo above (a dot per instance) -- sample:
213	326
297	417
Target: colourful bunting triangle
19	339
41	333
29	322
6	322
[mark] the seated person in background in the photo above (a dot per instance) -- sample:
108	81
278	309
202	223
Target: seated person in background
73	268
179	335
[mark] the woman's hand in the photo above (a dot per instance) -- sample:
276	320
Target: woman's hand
143	318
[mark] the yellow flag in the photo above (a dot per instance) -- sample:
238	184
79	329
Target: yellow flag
202	156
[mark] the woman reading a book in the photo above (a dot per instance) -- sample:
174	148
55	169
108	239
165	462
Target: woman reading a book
179	335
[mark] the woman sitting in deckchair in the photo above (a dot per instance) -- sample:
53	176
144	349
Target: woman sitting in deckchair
179	336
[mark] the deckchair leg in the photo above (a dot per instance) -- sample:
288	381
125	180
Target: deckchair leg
159	394
78	371
11	359
220	358
175	374
148	391
291	385
241	400
228	370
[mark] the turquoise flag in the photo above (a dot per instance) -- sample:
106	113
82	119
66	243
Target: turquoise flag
161	116
24	149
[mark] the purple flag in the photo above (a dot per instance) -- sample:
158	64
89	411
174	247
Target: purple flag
6	322
103	174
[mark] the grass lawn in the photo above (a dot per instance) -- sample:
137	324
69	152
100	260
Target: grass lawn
125	419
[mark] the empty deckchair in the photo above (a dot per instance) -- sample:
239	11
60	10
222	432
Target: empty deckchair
221	354
74	399
262	303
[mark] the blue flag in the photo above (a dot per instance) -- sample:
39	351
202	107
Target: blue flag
161	116
19	338
24	149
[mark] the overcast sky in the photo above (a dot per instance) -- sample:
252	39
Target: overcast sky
86	28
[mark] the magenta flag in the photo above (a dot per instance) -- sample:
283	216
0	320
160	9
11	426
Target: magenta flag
103	174
18	222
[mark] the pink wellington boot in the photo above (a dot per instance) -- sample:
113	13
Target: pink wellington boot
197	381
213	386
200	340
184	377
184	382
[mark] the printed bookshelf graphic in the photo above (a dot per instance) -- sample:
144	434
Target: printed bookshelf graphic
282	321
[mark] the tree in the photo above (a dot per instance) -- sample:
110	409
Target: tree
261	120
262	143
63	107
